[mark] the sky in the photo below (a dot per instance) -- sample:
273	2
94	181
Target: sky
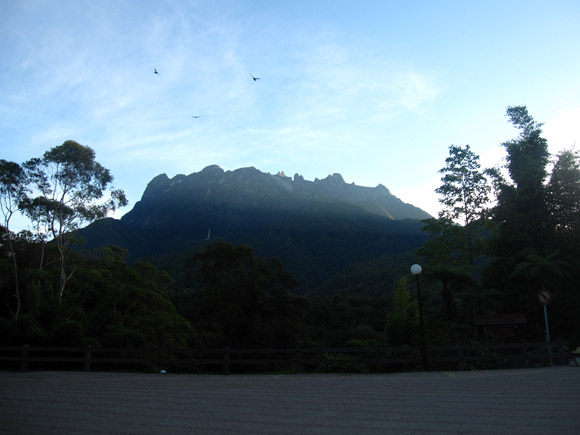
374	90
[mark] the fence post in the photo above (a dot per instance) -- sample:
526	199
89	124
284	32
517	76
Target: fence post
87	360
154	361
563	355
460	357
377	359
25	357
226	364
298	366
524	346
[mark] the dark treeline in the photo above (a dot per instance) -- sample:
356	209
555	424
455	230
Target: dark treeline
503	234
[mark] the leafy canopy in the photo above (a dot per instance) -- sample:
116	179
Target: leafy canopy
70	184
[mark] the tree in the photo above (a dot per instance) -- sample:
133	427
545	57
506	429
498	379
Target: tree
540	269
446	243
465	191
564	206
522	223
521	214
465	196
528	155
126	305
456	237
242	300
540	272
403	320
13	190
564	193
69	186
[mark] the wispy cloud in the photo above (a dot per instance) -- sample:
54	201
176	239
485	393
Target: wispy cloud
332	96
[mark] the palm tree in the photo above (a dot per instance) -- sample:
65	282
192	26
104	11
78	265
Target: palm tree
538	270
452	278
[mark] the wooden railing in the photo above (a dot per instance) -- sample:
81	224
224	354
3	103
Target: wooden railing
338	359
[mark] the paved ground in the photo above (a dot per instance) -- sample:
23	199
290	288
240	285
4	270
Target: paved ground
528	401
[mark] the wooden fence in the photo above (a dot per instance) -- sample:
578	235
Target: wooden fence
338	359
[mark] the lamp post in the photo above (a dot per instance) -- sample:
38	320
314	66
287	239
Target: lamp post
416	270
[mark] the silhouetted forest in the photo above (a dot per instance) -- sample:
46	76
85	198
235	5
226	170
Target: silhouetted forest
503	234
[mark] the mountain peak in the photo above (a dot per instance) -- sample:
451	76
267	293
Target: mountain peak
317	227
334	179
249	187
212	169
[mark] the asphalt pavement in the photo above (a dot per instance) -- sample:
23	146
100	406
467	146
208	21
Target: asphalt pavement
520	401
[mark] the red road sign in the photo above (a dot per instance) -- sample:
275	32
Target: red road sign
544	296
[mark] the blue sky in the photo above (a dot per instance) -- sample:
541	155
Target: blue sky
374	90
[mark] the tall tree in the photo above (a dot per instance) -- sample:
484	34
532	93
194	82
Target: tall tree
455	238
564	206
465	191
13	190
521	214
465	197
69	186
564	193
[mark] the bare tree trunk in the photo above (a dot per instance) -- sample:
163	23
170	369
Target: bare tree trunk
16	312
64	278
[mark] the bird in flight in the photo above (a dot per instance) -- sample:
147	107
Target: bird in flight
155	71
255	78
196	116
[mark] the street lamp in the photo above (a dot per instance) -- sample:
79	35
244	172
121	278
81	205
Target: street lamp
416	270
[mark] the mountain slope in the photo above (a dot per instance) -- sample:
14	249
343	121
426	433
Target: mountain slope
318	228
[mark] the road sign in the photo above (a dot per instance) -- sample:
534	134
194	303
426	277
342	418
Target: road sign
544	296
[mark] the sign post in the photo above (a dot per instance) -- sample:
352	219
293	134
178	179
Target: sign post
545	297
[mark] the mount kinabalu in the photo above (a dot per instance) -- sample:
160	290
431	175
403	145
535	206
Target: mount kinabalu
325	222
248	188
